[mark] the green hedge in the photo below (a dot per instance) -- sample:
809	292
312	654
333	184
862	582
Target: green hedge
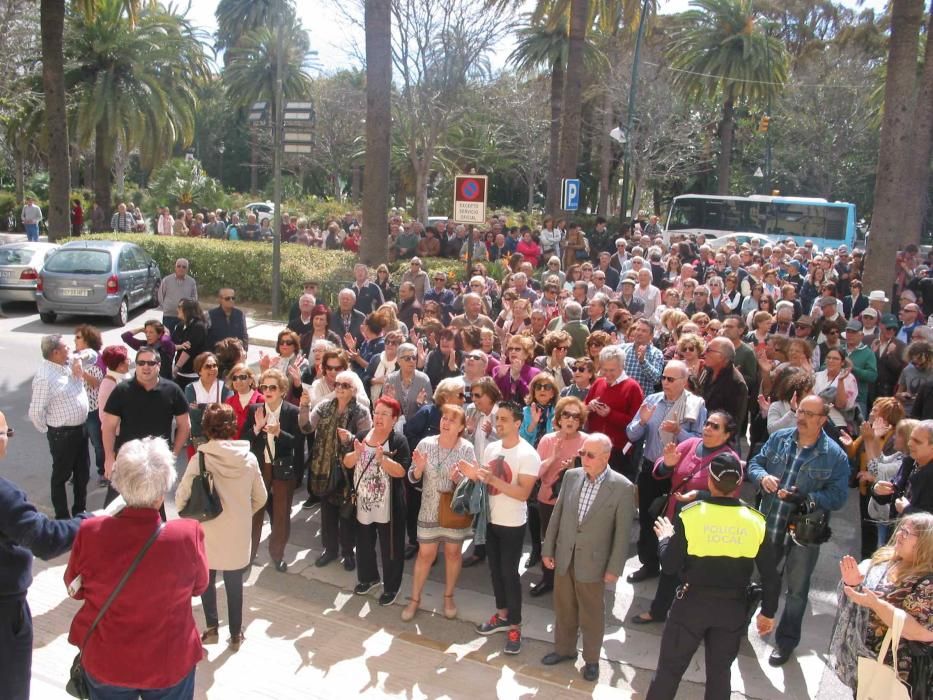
247	267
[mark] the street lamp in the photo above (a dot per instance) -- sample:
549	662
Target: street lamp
630	116
220	149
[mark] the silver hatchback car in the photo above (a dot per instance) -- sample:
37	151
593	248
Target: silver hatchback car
20	266
97	278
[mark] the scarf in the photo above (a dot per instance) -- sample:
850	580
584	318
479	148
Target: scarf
327	448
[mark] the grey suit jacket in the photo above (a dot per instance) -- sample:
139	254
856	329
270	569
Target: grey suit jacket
600	543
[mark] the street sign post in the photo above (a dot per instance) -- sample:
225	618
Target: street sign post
570	195
470	199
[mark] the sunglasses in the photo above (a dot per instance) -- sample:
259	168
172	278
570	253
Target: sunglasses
392	342
580	368
406	358
147	363
286	342
331	368
230	298
573	416
712	424
240	377
587	453
268	387
343	385
9	432
209	365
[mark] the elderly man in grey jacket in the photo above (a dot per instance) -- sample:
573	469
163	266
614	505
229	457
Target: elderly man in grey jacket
586	544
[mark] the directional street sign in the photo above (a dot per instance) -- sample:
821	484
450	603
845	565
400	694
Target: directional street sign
470	199
570	195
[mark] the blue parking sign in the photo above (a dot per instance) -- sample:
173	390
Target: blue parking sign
570	195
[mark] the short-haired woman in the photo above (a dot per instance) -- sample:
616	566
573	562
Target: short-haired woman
555	360
378	466
155	336
408	385
276	440
155	602
513	378
243	382
434	464
207	389
227	537
290	361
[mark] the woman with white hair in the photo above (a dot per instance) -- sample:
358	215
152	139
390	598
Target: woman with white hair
154	604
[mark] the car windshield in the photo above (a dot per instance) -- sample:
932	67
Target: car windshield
81	262
16	256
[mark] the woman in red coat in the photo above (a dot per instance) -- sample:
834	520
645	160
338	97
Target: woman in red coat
77	217
147	639
243	382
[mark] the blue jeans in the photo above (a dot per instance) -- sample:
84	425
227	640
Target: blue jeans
183	690
92	428
884	533
798	568
32	232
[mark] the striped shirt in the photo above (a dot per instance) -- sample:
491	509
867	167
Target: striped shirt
58	398
588	492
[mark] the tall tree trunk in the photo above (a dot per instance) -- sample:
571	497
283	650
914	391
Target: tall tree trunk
726	128
571	122
552	196
120	160
532	179
893	190
914	217
378	22
19	173
657	201
605	156
356	181
52	27
422	169
102	189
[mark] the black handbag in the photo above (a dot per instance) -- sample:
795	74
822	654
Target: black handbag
283	468
77	680
348	506
204	502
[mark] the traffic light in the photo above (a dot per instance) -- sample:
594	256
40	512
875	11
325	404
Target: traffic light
763	124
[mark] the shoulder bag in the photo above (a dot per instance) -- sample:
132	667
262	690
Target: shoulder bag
348	506
204	502
659	504
448	518
877	680
77	681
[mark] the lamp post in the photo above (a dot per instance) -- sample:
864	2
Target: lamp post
630	116
220	170
277	175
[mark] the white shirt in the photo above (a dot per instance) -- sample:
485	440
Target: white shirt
374	490
508	463
59	399
212	395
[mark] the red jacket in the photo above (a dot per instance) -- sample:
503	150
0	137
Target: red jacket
623	400
147	638
241	411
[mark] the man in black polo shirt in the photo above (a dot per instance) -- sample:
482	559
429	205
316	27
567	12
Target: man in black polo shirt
143	406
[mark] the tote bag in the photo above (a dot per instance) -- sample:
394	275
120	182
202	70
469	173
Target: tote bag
877	680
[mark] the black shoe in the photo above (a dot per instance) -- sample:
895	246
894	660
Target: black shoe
364	588
281	566
533	560
349	562
410	551
472	560
639	620
643	574
325	559
540	588
554	658
779	656
310	502
388	598
590	672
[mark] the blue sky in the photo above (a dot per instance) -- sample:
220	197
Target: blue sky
334	37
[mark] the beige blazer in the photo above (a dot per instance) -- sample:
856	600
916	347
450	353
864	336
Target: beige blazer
599	544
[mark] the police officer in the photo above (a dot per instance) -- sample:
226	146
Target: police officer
714	548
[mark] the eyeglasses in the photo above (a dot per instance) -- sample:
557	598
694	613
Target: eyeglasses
580	368
461	395
712	424
666	378
406	358
230	298
147	363
268	387
902	531
209	365
563	348
343	385
544	387
808	414
333	368
517	348
286	342
240	377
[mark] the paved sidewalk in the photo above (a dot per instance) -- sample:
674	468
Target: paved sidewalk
311	637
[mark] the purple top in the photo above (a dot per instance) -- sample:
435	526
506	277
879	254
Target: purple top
164	342
515	390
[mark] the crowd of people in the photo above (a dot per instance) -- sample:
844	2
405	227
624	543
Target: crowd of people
601	376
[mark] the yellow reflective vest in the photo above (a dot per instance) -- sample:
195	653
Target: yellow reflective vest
714	530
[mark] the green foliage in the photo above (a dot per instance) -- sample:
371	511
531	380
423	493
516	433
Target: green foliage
247	267
7	204
38	185
183	183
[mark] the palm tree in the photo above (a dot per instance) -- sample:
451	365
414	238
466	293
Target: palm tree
719	53
572	116
135	85
236	18
378	24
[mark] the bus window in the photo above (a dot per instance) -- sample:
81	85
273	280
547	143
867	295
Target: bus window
685	214
808	221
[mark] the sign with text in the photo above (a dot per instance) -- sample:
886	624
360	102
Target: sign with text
470	199
570	195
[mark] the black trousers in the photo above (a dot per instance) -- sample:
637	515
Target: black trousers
720	623
413	503
233	586
649	488
664	595
869	527
337	534
535	531
504	553
69	460
623	463
15	648
391	548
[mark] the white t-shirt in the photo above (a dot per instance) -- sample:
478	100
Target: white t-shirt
521	459
374	491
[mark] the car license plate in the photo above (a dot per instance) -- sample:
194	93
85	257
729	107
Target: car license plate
6	274
76	292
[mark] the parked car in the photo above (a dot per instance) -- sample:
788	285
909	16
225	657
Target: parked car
740	239
262	210
97	278
20	265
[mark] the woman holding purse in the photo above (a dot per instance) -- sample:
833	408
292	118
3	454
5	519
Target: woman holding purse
378	465
278	445
687	466
237	481
434	463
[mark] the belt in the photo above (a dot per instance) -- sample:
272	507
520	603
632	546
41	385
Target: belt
712	591
66	427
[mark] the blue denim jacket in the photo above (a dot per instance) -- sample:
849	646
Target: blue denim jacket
824	476
472	497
